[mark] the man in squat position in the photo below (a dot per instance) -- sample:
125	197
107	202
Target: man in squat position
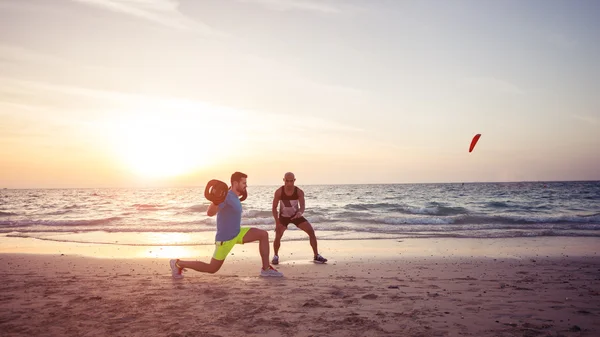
290	200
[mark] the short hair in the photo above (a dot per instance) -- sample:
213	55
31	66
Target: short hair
237	176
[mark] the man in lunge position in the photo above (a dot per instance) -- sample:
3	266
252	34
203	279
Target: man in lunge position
229	233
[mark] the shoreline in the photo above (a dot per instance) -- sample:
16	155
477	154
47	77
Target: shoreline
517	248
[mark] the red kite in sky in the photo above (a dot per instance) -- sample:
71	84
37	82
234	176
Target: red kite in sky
474	141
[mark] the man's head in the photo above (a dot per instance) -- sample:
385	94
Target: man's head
238	182
289	179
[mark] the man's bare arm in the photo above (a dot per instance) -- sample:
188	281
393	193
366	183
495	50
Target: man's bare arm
301	203
212	209
276	198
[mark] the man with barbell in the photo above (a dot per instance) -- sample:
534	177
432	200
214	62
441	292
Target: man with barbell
226	204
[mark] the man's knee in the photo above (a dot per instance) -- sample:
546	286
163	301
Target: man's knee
214	266
279	231
305	226
260	235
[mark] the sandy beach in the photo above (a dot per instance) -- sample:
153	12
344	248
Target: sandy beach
416	287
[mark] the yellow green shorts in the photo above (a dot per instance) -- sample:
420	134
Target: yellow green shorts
222	248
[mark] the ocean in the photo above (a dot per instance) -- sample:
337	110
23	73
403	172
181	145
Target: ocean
177	216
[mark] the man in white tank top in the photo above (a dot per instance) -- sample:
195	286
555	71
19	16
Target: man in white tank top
290	200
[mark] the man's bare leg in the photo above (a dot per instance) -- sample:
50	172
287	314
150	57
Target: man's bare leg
262	236
202	267
305	226
278	235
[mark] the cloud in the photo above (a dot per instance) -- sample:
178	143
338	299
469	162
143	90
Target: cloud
586	119
319	6
163	12
124	100
492	85
562	41
28	6
18	106
338	89
18	55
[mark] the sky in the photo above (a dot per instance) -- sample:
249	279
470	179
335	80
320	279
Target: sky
127	93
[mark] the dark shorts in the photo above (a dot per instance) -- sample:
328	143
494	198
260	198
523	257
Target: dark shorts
286	221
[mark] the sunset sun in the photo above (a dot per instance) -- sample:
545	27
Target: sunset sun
155	151
168	146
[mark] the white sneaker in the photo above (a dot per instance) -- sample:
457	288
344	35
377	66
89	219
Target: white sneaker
176	271
271	272
275	260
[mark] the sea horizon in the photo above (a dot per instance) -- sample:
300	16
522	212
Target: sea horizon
315	184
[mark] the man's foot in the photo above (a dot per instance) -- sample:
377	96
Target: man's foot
319	259
271	272
275	260
175	270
